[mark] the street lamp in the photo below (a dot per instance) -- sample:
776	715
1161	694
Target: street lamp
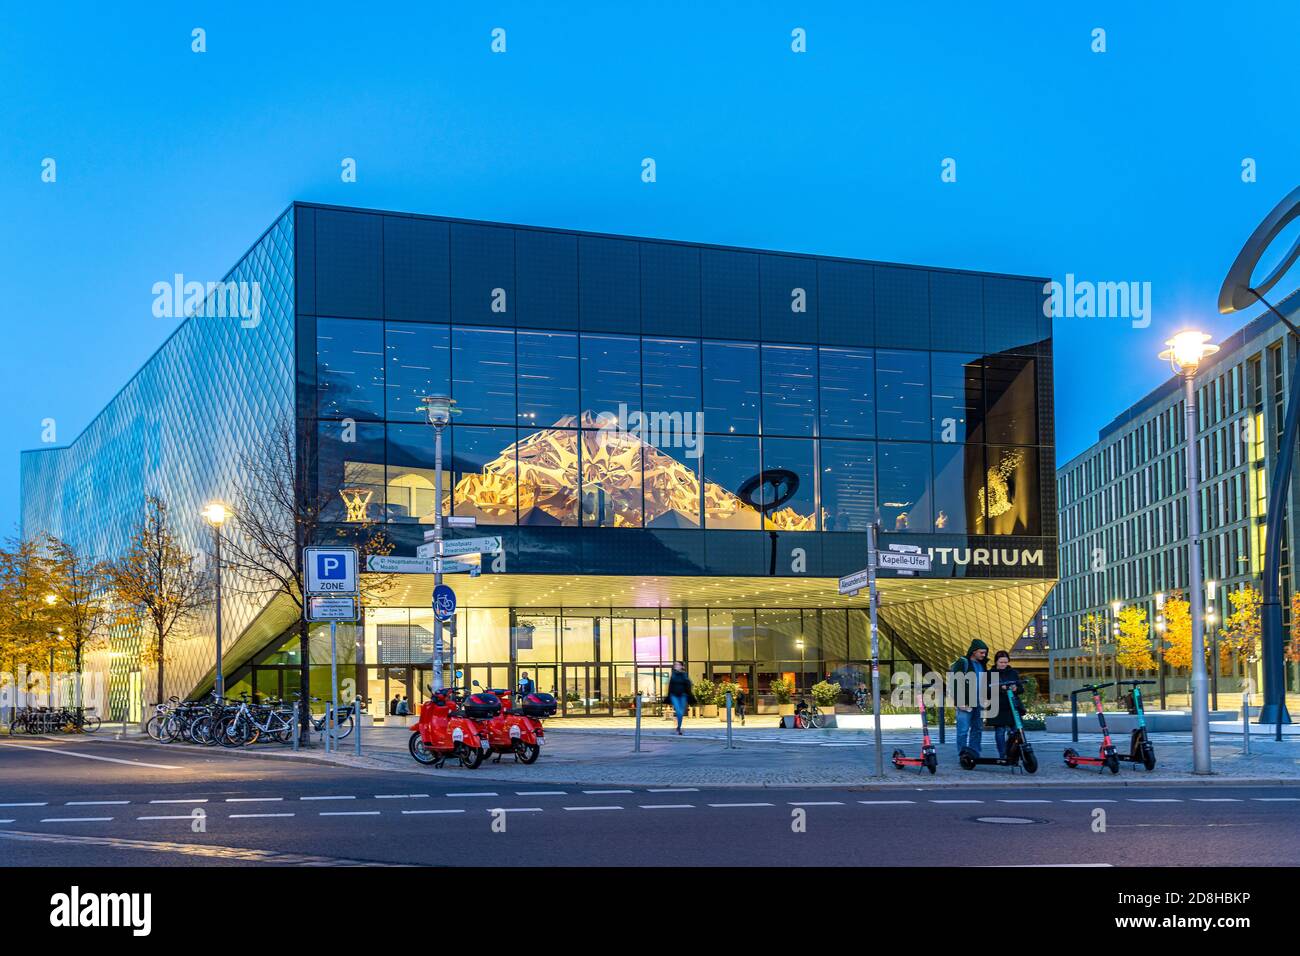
1214	644
438	409
49	681
1185	353
1114	639
216	514
1160	642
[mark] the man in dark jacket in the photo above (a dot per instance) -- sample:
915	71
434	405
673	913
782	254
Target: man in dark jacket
968	694
679	693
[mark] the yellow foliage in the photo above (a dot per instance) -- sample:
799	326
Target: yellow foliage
1133	646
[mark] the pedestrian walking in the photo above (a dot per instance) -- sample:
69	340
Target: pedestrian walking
740	704
679	693
968	695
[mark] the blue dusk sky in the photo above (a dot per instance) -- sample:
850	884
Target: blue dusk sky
1123	165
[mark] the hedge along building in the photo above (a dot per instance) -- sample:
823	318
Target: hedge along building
615	397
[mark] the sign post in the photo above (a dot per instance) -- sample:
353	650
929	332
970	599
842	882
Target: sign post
872	596
331	596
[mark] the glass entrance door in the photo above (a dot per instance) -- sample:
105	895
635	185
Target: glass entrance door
588	690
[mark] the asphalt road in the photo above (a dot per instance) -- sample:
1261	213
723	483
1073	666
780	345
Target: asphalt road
66	802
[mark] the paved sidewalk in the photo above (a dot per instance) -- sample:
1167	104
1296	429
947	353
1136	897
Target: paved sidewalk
767	757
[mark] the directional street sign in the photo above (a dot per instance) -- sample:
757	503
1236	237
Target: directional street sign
456	546
331	608
444	602
459	567
903	561
453	521
852	583
389	564
331	570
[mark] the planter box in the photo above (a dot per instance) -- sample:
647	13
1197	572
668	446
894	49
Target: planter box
708	710
785	710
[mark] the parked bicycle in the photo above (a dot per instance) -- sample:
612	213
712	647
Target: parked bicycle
49	720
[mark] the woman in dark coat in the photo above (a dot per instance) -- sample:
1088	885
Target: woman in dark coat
1008	680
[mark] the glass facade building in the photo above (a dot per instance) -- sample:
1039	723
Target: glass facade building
1123	511
615	397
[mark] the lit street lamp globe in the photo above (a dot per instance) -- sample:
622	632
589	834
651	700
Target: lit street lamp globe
1187	350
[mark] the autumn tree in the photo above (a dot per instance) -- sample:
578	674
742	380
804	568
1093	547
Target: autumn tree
1133	646
83	605
276	513
157	584
1178	631
1241	629
1292	650
27	621
1092	636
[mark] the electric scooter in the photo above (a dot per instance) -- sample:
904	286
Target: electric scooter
445	730
929	758
1019	750
1141	749
1106	758
513	731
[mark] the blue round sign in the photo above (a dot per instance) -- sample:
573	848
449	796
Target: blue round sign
444	602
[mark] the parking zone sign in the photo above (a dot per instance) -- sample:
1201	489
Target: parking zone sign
331	570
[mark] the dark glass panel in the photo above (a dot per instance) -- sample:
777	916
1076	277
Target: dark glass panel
902	394
548	477
609	284
956	396
547	273
670	289
411	475
1013	314
957	311
789	298
611	479
416	270
1012	400
958	487
731	393
349	368
729	293
483	375
848	485
548	378
904	476
350	465
349	279
672	484
419	364
848	393
902	307
789	390
611	375
482	261
671	369
794	455
846	311
729	461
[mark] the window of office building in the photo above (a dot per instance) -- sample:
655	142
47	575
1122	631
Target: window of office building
793	455
350	368
904	486
731	394
484	473
548	378
848	393
956	396
411	473
350	464
611	376
483	375
547	462
671	369
729	461
789	390
847	472
611	479
903	394
418	363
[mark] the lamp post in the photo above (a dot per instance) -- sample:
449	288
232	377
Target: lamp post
1185	353
216	515
1115	607
438	409
1160	642
1214	644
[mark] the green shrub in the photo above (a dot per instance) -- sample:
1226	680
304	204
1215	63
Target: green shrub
705	691
825	694
725	688
783	689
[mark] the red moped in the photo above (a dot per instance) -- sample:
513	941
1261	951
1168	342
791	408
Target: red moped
518	730
447	729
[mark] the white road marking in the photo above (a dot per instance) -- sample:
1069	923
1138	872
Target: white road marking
607	791
1096	800
816	803
593	808
329	798
40	804
256	816
6	821
725	805
431	811
96	803
1024	801
76	819
673	790
1154	800
253	799
541	793
1217	799
183	800
878	802
667	806
516	810
182	816
484	793
956	801
399	796
349	813
77	753
1276	799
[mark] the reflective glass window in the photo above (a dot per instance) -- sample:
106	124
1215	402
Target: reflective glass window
548	476
789	390
904	486
956	396
848	485
729	461
611	375
902	394
418	358
484	474
482	274
958	487
548	378
411	474
671	477
848	393
794	455
1012	415
351	471
483	375
1012	503
350	368
611	479
546	269
731	393
609	284
671	372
